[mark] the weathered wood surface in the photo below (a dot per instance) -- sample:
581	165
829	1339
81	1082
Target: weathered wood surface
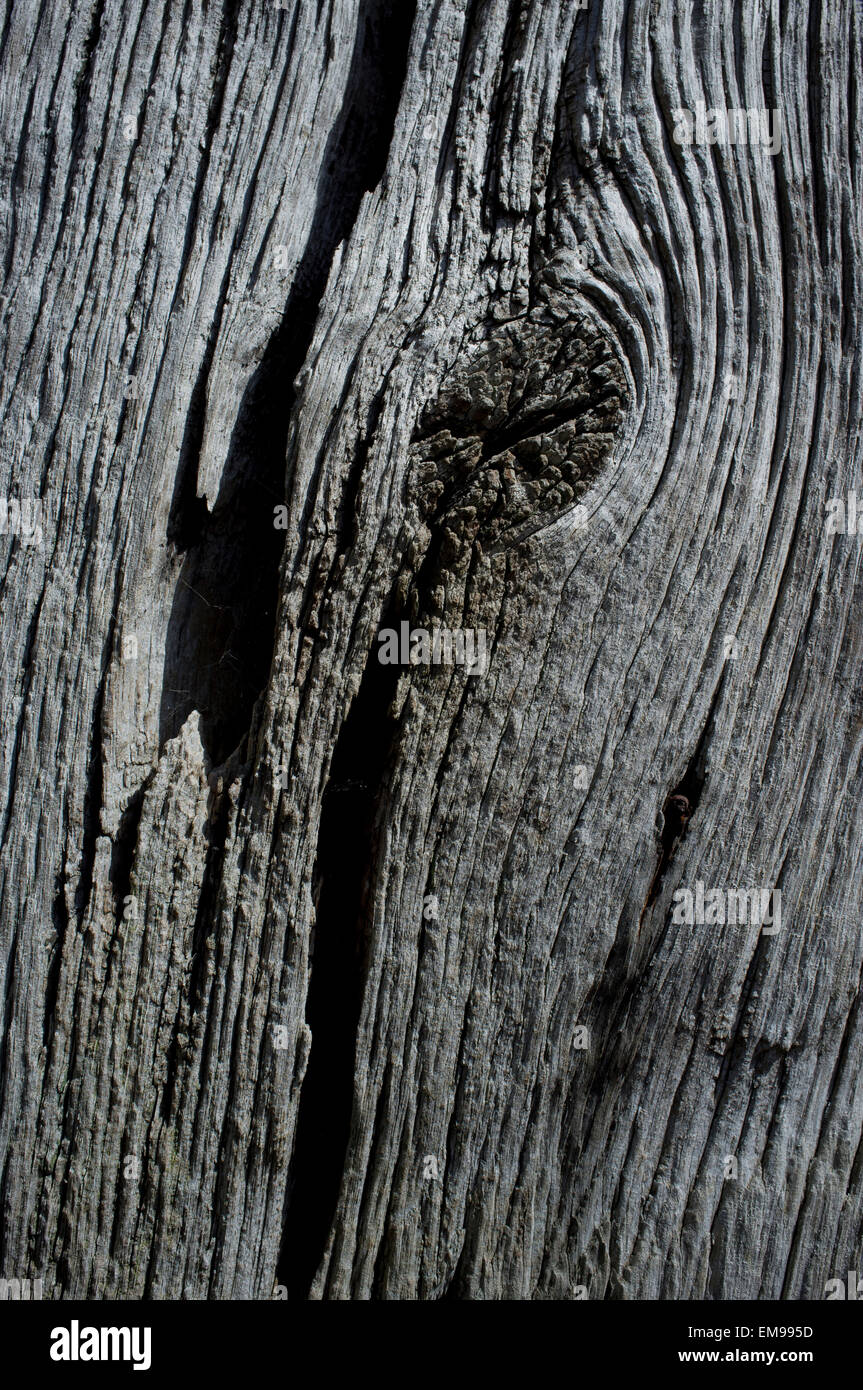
298	948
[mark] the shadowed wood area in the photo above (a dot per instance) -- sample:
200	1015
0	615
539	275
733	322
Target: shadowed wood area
534	325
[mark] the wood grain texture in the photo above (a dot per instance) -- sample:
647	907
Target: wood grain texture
362	979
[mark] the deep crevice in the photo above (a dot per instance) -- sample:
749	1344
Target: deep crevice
125	845
222	628
507	437
84	79
347	851
188	511
682	801
623	975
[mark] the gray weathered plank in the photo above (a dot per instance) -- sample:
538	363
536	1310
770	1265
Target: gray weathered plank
366	980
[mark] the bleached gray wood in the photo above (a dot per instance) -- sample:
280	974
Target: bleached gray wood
299	950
